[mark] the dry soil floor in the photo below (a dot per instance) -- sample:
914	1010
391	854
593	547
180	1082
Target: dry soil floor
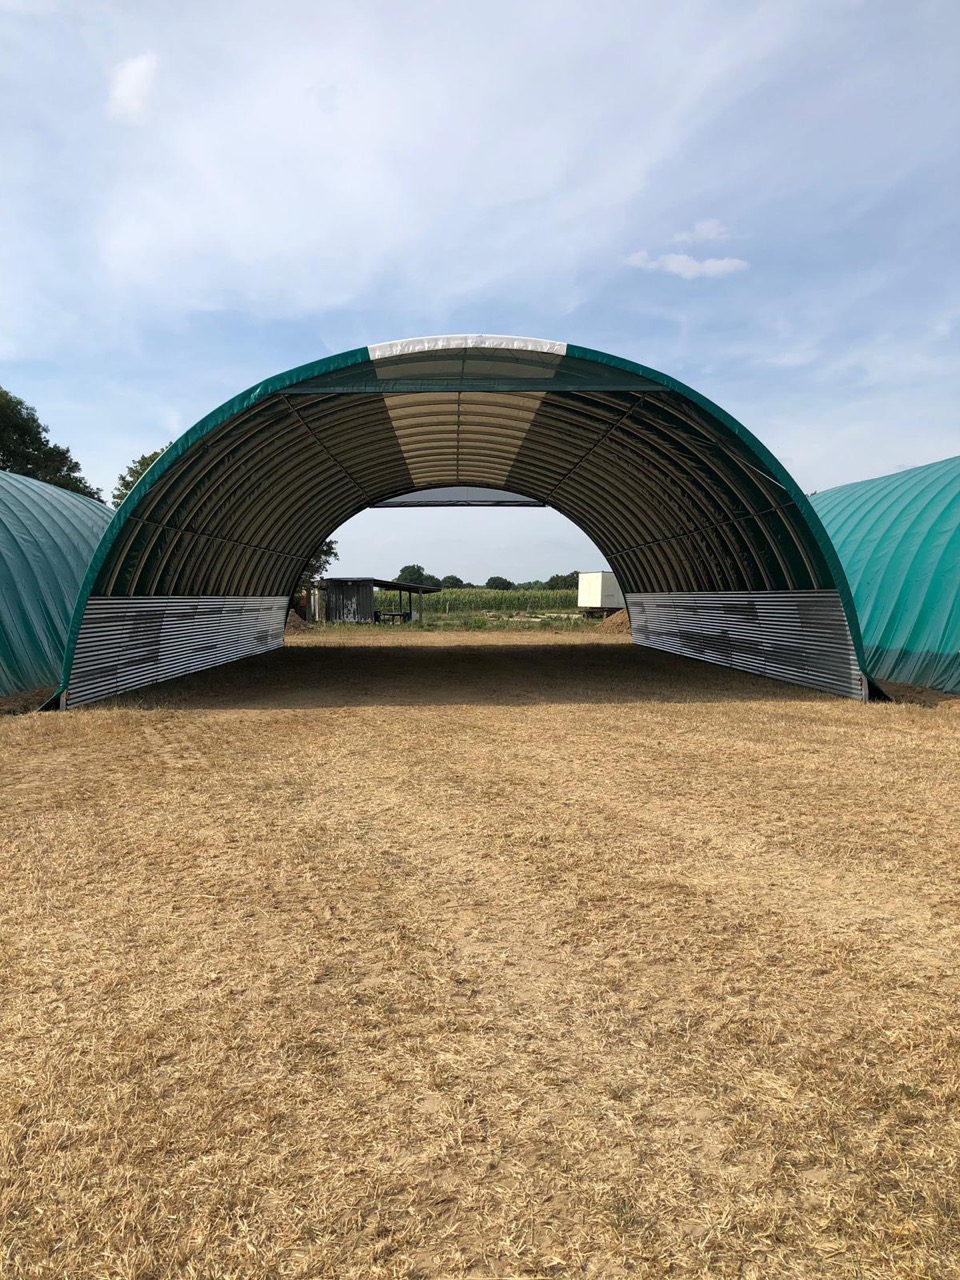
480	956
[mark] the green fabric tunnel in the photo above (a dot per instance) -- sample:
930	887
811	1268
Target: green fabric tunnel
47	539
898	539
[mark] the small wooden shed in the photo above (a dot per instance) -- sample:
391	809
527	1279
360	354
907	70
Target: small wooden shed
354	599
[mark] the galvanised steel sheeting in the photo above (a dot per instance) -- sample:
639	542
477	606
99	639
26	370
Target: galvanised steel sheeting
676	494
898	538
47	538
798	636
127	643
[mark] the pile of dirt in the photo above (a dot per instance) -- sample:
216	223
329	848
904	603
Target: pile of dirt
15	704
616	624
295	622
917	693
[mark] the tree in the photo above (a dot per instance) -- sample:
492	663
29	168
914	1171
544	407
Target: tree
451	580
431	580
563	581
412	573
317	565
26	449
129	478
499	584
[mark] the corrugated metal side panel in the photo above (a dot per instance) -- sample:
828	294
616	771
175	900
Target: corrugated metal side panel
798	636
128	642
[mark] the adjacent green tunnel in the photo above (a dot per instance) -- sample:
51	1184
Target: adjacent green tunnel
47	538
898	538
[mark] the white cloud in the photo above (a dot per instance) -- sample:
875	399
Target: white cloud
130	87
344	174
681	264
706	229
300	173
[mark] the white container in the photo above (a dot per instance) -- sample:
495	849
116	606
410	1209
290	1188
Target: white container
599	591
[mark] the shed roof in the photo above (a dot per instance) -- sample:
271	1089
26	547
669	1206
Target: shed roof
676	494
385	583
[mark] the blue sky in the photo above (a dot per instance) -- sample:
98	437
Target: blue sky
758	198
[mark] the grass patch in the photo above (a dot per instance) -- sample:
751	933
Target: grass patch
493	621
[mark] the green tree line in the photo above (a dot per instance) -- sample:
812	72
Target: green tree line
415	574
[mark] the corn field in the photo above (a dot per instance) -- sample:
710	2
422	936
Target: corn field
483	600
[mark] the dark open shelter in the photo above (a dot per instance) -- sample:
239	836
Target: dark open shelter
354	599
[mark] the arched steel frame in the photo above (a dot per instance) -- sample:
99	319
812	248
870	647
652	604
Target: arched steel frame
717	550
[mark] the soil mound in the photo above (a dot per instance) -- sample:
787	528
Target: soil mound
15	704
918	694
616	624
294	622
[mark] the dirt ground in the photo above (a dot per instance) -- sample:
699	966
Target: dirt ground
402	956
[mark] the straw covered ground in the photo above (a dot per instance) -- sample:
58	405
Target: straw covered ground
395	956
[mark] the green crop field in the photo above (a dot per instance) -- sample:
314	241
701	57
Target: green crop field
483	599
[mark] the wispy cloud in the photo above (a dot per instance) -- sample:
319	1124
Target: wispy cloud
342	122
130	87
239	196
706	229
688	268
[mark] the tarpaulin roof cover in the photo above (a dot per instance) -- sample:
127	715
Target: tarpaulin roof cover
898	538
47	538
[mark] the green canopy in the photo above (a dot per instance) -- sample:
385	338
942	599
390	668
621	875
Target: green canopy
898	538
47	538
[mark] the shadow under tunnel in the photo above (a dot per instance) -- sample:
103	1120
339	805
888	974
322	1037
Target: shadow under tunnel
307	674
